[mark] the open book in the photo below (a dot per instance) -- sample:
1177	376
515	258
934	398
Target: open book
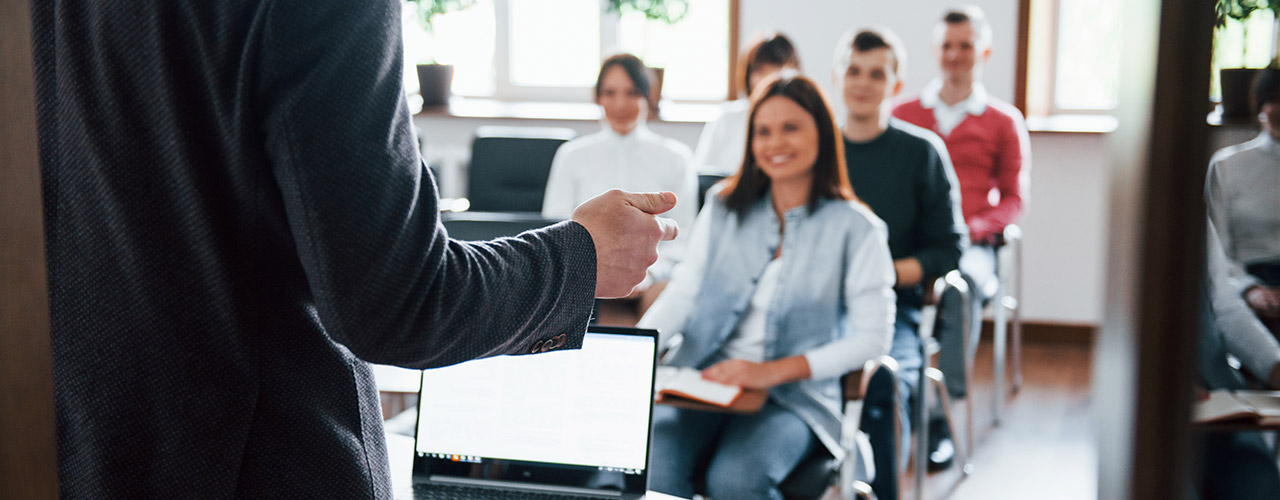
1247	407
688	383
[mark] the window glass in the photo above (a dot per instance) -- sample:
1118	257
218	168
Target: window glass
555	43
694	52
1088	57
463	38
1242	44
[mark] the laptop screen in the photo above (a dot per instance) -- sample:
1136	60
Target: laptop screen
549	414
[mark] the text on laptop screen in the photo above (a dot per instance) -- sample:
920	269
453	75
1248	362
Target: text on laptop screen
586	407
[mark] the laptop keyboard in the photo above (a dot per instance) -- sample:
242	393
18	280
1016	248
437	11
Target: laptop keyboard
438	491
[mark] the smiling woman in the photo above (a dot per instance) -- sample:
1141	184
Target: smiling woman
782	109
763	311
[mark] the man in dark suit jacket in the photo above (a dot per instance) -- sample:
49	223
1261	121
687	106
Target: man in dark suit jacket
236	216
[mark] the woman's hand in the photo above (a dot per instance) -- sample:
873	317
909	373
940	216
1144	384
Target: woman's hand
754	375
747	374
1265	301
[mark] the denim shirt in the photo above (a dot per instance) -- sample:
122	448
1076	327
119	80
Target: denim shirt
834	301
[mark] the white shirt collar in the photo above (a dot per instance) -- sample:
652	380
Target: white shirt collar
975	104
639	131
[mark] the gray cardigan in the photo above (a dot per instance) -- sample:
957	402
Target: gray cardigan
236	216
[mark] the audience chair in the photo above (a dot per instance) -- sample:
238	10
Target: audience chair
705	181
870	395
509	167
932	381
484	226
1008	309
880	412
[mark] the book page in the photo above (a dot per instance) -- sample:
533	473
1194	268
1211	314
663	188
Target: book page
688	383
1263	403
1221	405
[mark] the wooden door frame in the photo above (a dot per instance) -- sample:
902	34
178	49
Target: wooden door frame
28	457
1144	358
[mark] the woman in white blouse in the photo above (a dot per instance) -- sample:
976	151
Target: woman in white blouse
786	285
723	140
624	155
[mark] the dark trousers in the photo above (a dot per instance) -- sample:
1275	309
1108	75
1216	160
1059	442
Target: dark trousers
1238	466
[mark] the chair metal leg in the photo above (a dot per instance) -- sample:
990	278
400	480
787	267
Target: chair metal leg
1017	316
938	381
921	422
968	344
1001	337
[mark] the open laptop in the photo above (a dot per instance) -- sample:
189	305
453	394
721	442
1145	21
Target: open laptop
567	424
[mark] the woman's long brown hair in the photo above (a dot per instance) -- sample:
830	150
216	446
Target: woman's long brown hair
830	179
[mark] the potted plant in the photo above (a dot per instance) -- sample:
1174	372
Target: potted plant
1235	83
435	80
667	11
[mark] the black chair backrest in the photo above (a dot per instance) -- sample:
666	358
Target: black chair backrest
705	181
509	167
484	226
880	422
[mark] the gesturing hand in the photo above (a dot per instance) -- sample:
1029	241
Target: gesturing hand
747	374
626	236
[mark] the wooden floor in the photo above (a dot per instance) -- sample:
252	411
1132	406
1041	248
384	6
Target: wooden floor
1044	448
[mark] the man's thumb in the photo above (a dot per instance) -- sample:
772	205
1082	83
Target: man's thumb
652	203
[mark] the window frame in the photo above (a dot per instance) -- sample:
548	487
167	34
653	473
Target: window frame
504	89
1037	97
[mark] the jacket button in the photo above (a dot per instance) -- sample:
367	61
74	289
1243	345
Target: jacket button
561	340
537	347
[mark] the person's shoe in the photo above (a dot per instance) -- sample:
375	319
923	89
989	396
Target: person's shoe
942	451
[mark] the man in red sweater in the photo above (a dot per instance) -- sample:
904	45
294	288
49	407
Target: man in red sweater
987	137
990	152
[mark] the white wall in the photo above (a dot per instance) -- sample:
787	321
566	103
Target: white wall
1065	229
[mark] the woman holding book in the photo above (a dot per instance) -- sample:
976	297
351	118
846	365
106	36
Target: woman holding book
786	285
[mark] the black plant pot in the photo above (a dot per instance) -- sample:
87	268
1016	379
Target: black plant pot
435	81
1237	86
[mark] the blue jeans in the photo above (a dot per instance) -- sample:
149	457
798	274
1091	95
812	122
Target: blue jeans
743	456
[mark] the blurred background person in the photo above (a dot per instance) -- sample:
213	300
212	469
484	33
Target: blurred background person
626	155
1243	194
723	142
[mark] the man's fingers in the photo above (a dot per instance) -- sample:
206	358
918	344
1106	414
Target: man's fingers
652	203
669	228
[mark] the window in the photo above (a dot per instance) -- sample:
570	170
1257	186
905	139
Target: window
1072	65
1242	44
522	50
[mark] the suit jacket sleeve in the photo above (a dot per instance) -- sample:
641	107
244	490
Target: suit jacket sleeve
387	282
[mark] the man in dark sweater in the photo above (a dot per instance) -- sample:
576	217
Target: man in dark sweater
237	216
903	173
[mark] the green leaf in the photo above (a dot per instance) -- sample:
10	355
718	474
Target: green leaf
667	11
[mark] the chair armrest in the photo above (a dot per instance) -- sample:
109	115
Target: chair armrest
1011	235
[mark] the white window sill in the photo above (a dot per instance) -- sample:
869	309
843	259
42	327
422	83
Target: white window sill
467	107
1072	124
